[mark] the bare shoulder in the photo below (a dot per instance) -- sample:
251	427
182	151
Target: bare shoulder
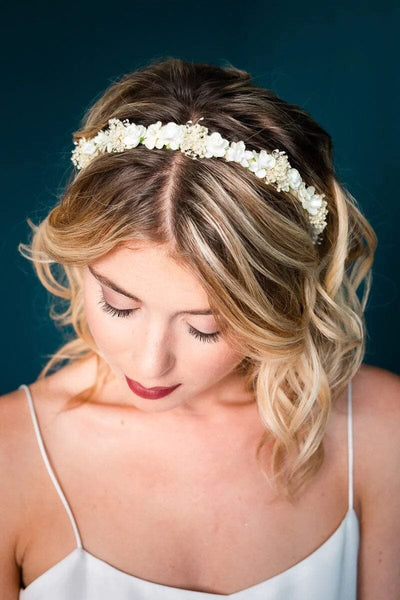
376	414
49	394
13	462
15	437
13	412
19	463
376	418
376	390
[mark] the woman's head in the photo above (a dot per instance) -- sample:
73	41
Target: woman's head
288	307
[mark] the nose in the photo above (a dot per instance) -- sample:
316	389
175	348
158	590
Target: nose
154	354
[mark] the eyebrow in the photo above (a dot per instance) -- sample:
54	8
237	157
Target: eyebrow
107	282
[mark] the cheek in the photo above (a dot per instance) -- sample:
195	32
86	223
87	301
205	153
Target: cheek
213	363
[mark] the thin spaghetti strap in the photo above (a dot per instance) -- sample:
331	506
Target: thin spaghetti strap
350	440
47	463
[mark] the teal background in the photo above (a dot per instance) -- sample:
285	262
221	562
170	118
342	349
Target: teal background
339	62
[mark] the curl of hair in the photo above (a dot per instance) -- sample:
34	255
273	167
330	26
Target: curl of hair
290	307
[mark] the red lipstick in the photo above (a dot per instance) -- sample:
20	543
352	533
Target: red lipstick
149	393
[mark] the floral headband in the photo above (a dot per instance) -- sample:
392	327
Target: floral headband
195	142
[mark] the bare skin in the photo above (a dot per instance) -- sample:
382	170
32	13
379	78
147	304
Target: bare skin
169	491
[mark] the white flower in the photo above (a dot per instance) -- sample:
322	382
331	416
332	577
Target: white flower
101	140
151	135
261	161
170	135
237	152
310	201
294	178
267	161
89	147
315	204
246	159
132	135
216	145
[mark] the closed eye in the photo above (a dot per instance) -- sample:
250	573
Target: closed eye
126	312
115	312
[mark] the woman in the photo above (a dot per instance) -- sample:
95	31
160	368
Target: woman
199	442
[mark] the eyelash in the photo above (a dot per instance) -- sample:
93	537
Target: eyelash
126	312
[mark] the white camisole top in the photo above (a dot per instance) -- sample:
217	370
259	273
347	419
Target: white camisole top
328	573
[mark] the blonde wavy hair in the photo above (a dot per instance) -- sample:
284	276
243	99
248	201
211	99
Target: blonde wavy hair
289	307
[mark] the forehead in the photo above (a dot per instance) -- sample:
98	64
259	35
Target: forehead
147	268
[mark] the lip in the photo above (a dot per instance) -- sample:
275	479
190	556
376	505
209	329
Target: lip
149	393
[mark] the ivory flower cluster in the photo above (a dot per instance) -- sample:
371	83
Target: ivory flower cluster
195	141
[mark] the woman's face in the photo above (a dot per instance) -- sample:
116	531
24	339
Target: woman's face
149	330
